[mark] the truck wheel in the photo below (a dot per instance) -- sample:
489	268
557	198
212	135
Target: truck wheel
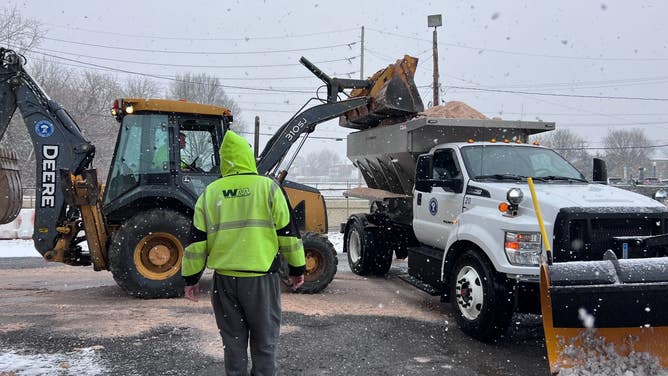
146	252
481	300
321	264
365	249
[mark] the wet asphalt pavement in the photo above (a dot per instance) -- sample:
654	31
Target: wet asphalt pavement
338	344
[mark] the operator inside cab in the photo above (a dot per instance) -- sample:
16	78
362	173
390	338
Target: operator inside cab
182	146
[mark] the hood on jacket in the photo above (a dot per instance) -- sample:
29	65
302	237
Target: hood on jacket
236	155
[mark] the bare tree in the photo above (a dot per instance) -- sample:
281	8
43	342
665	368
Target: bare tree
18	32
626	152
202	88
87	96
321	163
571	146
141	87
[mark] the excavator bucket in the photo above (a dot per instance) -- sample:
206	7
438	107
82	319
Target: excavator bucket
393	95
607	317
11	193
610	314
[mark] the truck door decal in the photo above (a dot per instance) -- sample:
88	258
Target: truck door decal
433	206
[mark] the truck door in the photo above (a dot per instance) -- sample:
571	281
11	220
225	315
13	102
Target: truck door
438	198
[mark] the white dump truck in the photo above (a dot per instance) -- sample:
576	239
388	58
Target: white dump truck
451	196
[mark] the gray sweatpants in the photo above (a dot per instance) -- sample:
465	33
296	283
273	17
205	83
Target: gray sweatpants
248	307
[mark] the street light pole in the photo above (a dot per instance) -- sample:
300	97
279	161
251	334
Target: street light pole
435	21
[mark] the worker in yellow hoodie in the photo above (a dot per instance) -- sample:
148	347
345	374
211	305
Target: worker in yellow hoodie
241	222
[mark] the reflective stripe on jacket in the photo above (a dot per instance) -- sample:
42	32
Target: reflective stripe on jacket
245	217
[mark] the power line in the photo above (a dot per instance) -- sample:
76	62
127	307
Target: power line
246	39
557	94
348	59
349	45
172	79
484	49
220	78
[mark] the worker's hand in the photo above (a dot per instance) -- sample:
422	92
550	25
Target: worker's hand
296	282
192	292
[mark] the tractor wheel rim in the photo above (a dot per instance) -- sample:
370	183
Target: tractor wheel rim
314	265
158	256
469	293
354	245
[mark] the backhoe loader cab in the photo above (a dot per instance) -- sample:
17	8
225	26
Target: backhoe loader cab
166	153
164	149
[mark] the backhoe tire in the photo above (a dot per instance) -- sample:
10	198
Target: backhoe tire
366	249
481	299
321	264
146	253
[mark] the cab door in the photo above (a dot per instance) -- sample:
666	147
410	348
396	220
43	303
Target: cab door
197	161
438	197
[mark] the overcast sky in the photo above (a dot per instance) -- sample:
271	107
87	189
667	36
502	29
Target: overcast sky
510	51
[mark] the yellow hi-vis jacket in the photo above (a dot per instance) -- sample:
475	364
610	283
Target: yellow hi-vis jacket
241	221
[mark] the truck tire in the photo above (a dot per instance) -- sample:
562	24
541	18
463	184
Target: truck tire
321	264
480	298
366	250
146	252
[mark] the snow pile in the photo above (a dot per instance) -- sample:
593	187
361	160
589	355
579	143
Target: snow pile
18	248
592	355
83	361
21	227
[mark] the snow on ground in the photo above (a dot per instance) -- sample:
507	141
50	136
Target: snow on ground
83	361
26	248
18	248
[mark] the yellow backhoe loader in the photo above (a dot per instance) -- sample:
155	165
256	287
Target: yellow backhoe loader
137	224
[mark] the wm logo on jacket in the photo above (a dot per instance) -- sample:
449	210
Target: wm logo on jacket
237	192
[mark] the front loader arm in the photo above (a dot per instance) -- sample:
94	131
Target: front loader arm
304	122
59	147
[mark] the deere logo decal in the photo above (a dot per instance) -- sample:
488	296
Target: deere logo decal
237	192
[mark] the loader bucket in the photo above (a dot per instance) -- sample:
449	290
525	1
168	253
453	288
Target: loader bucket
11	194
606	315
393	96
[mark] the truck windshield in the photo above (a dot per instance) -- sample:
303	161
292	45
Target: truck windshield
501	161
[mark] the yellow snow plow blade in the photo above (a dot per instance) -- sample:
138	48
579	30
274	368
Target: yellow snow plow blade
607	316
11	194
598	314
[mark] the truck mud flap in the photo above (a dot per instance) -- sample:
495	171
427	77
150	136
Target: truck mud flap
11	193
602	310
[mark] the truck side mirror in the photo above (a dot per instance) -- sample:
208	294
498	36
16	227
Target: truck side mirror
600	172
423	185
456	185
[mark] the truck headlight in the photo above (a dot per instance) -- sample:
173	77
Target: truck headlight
523	248
515	196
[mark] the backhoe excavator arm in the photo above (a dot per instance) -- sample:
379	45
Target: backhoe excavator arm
303	122
60	151
389	93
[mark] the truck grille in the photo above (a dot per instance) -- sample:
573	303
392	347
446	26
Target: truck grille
585	234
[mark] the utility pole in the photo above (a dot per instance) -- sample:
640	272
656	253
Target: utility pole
435	21
359	172
362	54
257	135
